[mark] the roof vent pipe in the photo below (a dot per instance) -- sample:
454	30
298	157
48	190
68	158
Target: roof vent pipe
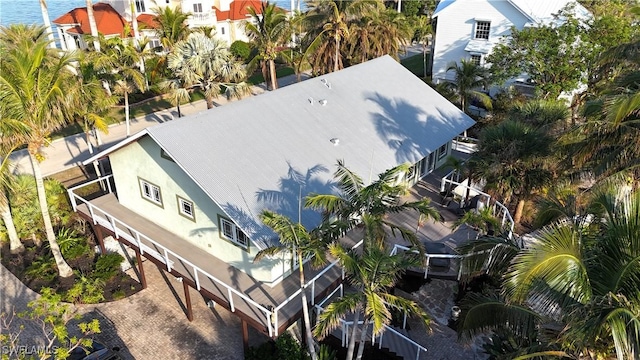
311	101
327	84
335	141
323	102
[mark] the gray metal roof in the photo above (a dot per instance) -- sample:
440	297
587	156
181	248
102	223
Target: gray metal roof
265	151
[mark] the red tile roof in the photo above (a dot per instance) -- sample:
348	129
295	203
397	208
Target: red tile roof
108	21
238	10
148	20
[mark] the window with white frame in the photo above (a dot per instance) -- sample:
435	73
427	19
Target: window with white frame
150	192
442	151
140	8
482	30
231	232
476	59
197	8
185	208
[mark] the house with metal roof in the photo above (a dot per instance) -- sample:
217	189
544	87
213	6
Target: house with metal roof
187	193
469	29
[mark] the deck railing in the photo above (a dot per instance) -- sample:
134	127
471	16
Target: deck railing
163	254
498	209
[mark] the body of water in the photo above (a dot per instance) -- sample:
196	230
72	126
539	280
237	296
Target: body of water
28	11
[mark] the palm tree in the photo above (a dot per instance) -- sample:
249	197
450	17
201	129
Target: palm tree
47	23
511	158
177	91
374	202
583	274
423	34
294	238
118	65
268	31
206	63
32	89
372	273
15	245
172	26
93	26
91	103
469	78
328	27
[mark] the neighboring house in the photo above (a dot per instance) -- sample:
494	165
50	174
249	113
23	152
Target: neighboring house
200	182
74	25
469	29
226	16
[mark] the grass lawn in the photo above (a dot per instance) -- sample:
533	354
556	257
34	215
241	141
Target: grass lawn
415	64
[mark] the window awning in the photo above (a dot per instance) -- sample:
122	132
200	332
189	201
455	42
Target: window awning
479	46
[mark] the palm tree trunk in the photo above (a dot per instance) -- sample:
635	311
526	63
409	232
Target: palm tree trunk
47	23
64	270
363	338
519	209
352	339
87	134
272	74
93	26
424	60
209	101
126	112
335	60
178	106
15	245
305	312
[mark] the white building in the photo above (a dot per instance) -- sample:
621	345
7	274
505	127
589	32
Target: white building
227	16
469	29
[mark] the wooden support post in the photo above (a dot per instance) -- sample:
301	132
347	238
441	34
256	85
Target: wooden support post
143	279
187	300
245	336
98	230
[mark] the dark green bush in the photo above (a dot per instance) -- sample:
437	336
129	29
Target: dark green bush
241	50
72	245
107	266
284	348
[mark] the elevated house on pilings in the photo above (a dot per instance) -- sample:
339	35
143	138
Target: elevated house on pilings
186	194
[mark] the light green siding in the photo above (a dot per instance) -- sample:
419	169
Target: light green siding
143	160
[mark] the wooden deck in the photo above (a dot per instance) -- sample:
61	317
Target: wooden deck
235	290
267	296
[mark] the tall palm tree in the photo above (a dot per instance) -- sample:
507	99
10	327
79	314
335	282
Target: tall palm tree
583	274
469	78
172	26
423	34
374	201
91	103
33	82
118	65
15	245
206	63
328	27
372	273
512	159
269	32
47	23
93	26
302	244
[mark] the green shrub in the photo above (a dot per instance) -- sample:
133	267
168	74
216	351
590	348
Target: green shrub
241	50
43	267
86	291
107	266
326	353
118	294
71	245
284	348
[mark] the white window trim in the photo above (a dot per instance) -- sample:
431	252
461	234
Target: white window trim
443	154
475	30
481	62
153	196
181	209
234	238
